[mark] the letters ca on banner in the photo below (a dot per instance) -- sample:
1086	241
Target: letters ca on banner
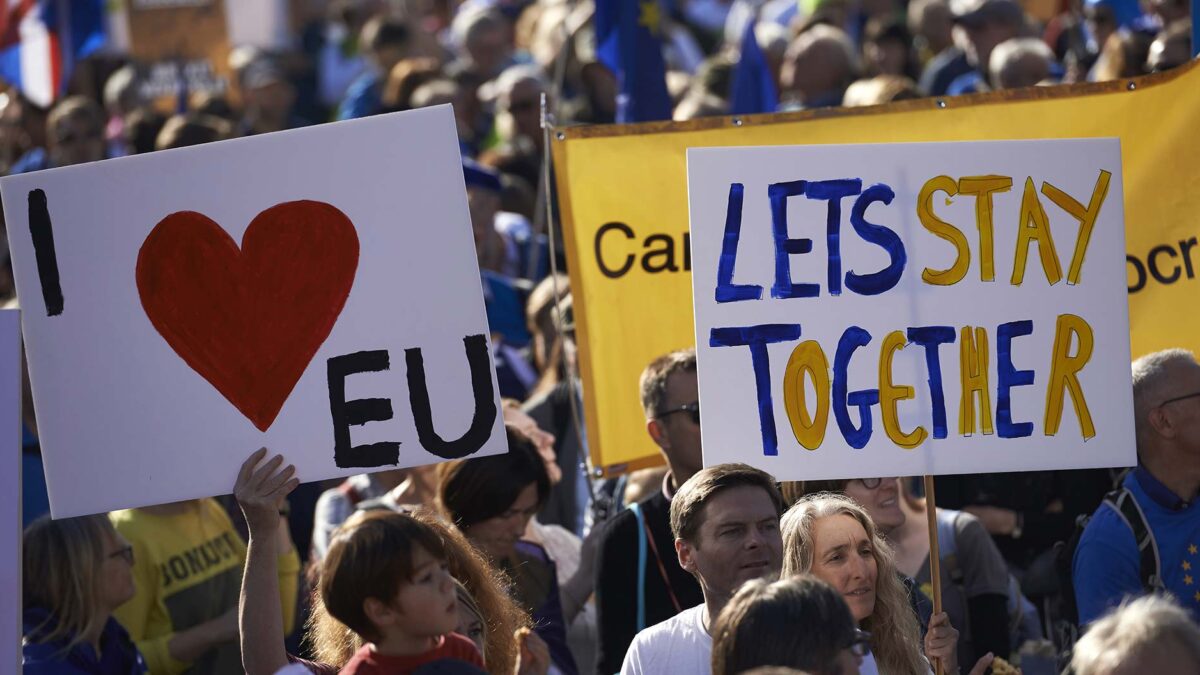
912	308
314	292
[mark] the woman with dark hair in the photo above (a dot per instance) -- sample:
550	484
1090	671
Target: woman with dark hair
76	572
798	623
491	500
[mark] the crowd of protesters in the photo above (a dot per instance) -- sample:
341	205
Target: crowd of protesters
458	567
527	563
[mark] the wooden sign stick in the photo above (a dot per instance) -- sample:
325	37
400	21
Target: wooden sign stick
935	571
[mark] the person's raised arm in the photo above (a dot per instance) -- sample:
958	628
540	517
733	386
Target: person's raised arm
260	491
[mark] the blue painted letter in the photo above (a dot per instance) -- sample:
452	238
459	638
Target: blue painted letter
886	278
856	437
1010	377
930	337
727	291
833	191
778	194
757	338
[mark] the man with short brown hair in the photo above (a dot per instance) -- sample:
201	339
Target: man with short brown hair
726	525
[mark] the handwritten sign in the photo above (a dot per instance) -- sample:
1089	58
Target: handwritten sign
912	309
181	45
10	487
313	291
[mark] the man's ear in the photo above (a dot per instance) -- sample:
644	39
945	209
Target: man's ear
1160	421
687	555
658	434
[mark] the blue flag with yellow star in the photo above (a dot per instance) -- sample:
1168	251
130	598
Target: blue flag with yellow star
753	88
628	41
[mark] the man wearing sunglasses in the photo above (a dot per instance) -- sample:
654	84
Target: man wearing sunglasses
624	606
1145	537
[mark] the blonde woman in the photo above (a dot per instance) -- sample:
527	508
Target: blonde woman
834	539
76	572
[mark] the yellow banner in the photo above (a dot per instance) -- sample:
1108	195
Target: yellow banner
623	191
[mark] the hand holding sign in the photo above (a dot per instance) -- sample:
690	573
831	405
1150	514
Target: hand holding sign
261	490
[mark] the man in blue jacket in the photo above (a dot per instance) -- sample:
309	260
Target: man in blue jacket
1109	565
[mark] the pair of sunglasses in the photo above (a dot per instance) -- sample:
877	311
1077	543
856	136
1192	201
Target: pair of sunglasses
692	409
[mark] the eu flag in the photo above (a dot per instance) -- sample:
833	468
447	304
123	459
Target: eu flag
753	88
628	42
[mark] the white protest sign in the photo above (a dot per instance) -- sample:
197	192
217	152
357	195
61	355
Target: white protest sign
10	488
925	308
312	291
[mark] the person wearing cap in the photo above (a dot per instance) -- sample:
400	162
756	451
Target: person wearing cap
987	23
483	197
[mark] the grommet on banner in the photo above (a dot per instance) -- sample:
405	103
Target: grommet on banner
1131	86
941	103
560	136
737	121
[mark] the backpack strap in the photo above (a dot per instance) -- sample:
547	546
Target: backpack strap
948	543
641	566
1125	505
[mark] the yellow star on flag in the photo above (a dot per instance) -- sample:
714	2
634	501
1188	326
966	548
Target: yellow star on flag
1197	596
1186	565
1187	580
649	16
1192	549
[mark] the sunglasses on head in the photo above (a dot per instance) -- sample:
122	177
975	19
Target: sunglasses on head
692	409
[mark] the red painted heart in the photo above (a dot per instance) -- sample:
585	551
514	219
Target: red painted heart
249	320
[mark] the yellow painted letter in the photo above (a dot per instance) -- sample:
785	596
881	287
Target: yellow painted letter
941	228
1034	225
983	187
1086	217
1064	371
807	357
973	372
890	394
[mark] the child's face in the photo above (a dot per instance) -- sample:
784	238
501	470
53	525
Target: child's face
428	604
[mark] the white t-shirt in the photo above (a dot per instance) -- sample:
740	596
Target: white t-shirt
678	645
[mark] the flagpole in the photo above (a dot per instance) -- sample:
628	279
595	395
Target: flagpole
543	204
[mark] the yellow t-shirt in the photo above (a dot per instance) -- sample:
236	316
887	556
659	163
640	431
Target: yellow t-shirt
188	570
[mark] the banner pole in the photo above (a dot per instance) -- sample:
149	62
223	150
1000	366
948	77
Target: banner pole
935	568
576	383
